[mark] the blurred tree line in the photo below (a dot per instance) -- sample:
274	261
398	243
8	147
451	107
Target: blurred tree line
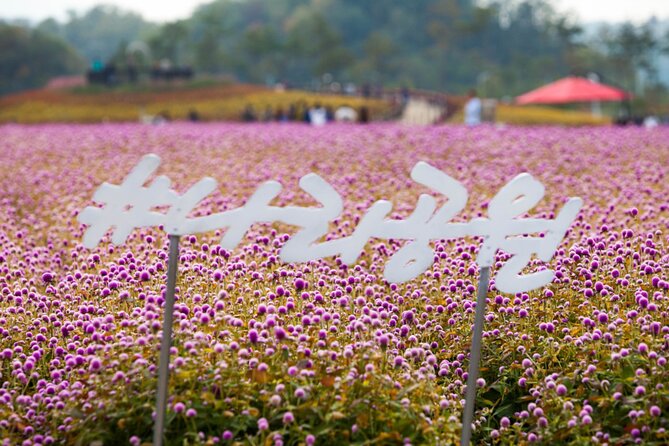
101	31
29	58
450	45
500	47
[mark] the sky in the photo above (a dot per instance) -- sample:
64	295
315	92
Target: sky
166	10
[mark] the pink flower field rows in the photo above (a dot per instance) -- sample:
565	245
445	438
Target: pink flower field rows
320	353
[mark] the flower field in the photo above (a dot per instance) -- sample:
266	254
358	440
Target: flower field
268	353
539	115
211	102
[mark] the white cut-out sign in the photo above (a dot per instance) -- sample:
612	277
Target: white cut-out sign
130	205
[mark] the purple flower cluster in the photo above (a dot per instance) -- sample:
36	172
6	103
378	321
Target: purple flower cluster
270	350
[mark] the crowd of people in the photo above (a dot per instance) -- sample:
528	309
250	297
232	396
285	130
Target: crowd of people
316	114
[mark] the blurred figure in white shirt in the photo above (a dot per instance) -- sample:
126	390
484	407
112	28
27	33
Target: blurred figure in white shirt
318	115
473	109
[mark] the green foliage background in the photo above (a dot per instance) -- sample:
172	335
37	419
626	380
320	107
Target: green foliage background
31	57
503	48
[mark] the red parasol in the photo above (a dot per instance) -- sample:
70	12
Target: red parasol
572	89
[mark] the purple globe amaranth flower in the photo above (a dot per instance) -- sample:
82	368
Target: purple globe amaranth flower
253	336
288	418
279	333
95	364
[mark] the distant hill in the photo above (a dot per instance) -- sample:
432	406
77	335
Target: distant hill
500	48
447	45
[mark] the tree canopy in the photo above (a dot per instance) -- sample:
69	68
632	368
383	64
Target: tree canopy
29	58
503	48
436	44
98	33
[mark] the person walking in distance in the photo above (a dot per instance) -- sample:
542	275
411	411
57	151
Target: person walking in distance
473	109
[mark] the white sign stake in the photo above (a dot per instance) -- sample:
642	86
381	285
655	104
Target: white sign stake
129	205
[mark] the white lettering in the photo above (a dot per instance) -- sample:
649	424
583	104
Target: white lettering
130	205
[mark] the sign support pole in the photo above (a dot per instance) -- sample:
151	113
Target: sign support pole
166	342
475	356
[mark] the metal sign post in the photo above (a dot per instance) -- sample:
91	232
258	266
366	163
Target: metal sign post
166	342
475	356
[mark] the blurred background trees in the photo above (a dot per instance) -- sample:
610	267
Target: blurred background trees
501	47
30	57
97	33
